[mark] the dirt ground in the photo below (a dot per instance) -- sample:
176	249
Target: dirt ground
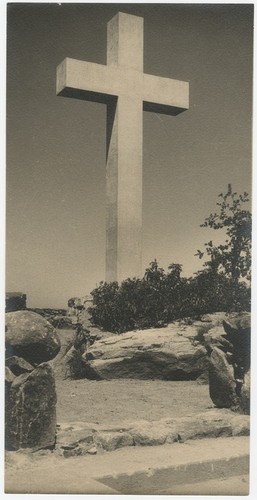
107	402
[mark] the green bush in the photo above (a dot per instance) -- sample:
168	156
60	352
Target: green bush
159	298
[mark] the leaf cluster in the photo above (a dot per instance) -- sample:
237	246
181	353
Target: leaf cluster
233	257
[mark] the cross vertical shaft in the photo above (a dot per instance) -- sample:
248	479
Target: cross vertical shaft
124	156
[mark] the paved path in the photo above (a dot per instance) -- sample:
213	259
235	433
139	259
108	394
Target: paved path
168	469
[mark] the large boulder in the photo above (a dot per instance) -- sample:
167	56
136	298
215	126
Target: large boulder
221	380
31	410
15	301
30	336
171	353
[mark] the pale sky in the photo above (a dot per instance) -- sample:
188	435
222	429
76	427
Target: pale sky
56	145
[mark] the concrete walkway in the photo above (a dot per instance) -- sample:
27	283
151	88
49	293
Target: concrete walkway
219	466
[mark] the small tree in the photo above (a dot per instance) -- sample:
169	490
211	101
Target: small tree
233	258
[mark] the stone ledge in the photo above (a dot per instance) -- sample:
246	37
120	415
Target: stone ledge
81	437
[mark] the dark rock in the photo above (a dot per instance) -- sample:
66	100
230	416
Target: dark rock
31	410
31	337
18	365
15	301
221	380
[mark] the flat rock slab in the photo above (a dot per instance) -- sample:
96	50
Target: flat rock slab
79	437
130	469
171	353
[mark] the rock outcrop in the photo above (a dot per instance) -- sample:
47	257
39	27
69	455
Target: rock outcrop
31	337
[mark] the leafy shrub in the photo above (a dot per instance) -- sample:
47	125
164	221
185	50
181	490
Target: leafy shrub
159	298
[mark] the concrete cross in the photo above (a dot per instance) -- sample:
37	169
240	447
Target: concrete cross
127	91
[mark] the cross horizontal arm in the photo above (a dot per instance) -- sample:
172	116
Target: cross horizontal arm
84	80
165	95
103	83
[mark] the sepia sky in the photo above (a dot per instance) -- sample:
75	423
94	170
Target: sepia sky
56	145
